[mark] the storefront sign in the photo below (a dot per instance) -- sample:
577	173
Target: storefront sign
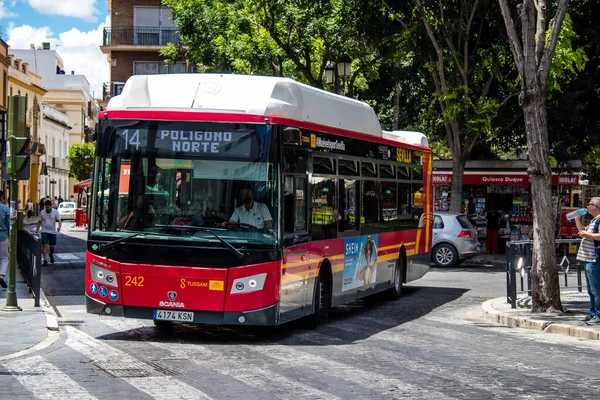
502	179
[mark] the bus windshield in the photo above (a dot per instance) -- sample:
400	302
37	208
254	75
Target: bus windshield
186	181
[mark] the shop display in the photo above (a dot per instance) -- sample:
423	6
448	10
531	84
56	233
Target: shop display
513	202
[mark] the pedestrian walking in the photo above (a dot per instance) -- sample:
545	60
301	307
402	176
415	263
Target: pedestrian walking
4	230
48	219
29	206
589	253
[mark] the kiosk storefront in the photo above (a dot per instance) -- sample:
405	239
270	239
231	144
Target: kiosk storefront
507	191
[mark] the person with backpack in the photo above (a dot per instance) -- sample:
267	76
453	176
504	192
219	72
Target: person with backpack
589	252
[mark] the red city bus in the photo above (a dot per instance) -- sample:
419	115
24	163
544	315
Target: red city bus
249	200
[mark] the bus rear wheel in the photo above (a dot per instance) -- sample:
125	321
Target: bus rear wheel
395	291
321	301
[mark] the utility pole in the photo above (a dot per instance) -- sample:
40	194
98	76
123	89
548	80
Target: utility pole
17	167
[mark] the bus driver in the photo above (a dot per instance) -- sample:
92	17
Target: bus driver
251	212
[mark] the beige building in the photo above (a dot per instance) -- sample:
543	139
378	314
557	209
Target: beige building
24	82
67	93
140	29
4	63
54	180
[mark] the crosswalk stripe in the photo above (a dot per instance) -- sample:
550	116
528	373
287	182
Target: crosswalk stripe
118	363
260	377
45	381
368	379
443	340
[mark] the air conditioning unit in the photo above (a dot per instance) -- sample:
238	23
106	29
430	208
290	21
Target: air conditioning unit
117	88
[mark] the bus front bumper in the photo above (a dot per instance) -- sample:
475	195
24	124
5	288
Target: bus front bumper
262	316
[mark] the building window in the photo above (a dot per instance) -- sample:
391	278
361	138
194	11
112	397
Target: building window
154	68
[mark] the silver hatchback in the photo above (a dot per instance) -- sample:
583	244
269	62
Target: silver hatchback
454	239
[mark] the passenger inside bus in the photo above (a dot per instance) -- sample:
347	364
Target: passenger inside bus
251	212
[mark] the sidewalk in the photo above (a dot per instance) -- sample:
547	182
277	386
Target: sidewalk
29	330
569	323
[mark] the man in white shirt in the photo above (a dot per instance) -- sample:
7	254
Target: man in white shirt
48	219
251	212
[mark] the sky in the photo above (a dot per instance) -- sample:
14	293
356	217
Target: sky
73	28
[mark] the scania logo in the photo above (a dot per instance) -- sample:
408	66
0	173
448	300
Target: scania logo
172	296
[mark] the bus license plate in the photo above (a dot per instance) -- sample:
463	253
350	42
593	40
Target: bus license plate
167	315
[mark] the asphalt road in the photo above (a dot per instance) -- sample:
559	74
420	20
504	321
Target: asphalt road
430	344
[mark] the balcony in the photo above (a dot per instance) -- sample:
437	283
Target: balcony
140	36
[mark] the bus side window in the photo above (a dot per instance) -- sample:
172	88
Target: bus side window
288	204
294	205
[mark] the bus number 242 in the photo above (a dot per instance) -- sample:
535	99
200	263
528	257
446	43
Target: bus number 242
134	280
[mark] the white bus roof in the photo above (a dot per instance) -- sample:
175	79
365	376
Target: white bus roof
247	94
410	137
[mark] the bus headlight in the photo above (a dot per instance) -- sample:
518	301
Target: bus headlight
248	284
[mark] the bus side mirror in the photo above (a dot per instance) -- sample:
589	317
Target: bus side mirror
291	135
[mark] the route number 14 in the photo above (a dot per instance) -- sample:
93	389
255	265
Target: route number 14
132	140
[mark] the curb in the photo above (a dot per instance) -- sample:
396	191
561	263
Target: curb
518	321
51	325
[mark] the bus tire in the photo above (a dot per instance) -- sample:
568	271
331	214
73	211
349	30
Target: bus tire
163	325
395	291
321	300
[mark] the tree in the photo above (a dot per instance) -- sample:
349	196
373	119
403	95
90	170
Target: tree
292	38
532	53
81	160
461	50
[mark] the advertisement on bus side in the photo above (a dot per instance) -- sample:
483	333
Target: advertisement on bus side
360	262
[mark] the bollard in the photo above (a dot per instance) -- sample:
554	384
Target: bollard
511	277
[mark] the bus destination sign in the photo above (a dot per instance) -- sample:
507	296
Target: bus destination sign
199	142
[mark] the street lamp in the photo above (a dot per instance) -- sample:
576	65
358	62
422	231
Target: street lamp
343	66
336	70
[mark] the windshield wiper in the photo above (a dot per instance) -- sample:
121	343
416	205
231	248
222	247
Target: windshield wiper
233	249
111	244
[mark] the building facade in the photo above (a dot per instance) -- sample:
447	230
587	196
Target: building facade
4	64
54	181
139	30
22	81
67	93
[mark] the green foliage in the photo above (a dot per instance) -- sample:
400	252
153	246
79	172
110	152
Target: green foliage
440	150
81	160
567	61
292	38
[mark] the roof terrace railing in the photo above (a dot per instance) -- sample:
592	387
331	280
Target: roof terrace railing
140	36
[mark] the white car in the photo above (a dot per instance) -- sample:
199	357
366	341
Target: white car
66	210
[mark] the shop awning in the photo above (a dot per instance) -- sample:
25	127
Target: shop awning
500	178
79	186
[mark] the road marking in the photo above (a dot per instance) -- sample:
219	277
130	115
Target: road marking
44	380
144	377
66	256
382	384
257	376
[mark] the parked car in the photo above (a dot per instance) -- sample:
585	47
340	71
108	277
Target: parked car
66	210
454	239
